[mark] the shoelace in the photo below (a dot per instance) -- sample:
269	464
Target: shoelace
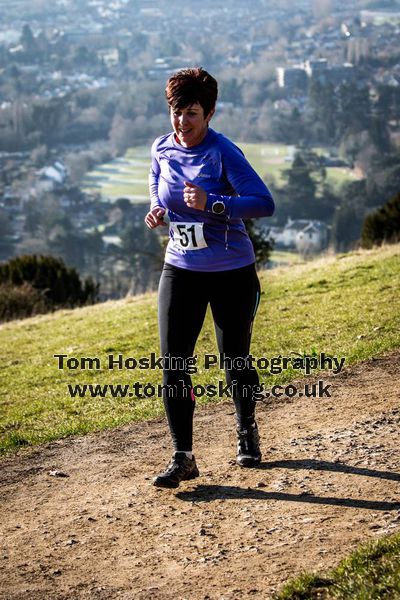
173	465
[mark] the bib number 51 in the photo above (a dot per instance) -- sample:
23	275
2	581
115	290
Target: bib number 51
188	236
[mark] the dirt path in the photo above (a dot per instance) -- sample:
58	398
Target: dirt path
330	479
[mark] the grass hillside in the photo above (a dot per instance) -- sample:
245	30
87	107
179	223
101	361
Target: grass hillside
372	572
346	306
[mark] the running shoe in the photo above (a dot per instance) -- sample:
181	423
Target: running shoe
248	446
181	468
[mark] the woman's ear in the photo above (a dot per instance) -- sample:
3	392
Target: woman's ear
210	114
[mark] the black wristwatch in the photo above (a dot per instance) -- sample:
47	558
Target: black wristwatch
218	207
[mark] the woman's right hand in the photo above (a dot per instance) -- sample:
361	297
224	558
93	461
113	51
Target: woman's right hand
155	217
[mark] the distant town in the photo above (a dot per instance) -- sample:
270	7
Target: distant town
82	82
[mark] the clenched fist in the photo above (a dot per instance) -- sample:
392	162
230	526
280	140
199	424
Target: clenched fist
194	196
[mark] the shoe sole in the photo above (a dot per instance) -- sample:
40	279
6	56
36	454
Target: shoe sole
172	484
248	461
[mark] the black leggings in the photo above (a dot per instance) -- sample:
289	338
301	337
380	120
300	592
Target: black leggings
183	298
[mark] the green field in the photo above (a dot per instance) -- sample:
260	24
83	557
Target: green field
345	305
123	177
269	161
127	177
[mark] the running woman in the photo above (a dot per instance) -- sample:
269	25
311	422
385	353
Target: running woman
206	185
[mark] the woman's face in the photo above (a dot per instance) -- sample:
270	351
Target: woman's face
189	124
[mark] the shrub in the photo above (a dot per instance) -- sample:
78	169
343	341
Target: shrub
45	283
262	247
19	301
382	225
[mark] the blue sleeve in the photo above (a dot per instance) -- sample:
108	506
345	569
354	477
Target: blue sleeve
153	178
253	197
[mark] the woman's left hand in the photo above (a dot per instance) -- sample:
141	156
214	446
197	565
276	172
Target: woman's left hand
194	196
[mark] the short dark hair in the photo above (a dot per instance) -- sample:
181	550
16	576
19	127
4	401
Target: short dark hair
188	86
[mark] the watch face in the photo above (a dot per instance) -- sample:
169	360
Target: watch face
218	207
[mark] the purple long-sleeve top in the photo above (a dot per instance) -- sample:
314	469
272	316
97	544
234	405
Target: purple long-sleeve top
199	239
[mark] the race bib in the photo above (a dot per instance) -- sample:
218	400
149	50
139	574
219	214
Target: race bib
188	236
